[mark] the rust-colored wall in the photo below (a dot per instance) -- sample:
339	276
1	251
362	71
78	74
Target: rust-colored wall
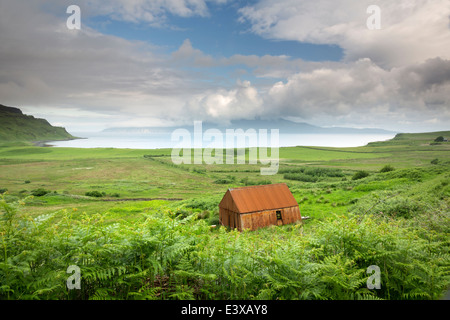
229	218
260	219
291	215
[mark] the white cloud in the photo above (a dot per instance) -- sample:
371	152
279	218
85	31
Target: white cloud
222	105
411	31
366	93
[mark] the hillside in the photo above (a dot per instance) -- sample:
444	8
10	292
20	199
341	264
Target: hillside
16	126
417	141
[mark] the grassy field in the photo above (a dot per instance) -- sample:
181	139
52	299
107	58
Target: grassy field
139	226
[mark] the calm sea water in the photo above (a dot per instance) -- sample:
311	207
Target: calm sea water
163	140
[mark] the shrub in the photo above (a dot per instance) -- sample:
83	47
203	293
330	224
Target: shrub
40	192
205	203
310	174
300	177
228	179
360	174
3	190
314	171
387	168
414	174
222	181
182	213
214	220
439	139
199	170
204	214
323	172
389	204
400	207
247	182
291	170
95	194
27	181
434	161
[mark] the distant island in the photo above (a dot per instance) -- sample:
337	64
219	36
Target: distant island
17	126
285	127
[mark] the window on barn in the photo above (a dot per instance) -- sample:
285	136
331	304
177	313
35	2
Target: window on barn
278	214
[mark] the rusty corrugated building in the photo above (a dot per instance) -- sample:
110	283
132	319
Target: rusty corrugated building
258	206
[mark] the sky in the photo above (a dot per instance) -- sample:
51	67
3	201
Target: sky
171	62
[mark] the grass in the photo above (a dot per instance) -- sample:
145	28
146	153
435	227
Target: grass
151	174
144	245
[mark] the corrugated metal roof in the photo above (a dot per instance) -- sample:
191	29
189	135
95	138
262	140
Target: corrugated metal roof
259	198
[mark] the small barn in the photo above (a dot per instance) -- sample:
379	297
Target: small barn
258	206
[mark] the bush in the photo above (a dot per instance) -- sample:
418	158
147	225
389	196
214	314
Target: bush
222	181
206	203
205	214
387	168
214	220
3	190
300	177
400	207
40	192
360	174
323	172
389	204
414	174
199	170
314	171
247	182
228	179
95	194
434	161
310	174
27	181
439	139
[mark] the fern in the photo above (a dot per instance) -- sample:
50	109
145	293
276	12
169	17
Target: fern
169	255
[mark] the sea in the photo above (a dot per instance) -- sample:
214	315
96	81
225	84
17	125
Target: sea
164	140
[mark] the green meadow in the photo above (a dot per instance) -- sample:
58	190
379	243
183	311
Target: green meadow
140	227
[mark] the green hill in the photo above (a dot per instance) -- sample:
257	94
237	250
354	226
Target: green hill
16	126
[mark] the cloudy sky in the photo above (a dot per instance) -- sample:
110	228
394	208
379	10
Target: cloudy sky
162	62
